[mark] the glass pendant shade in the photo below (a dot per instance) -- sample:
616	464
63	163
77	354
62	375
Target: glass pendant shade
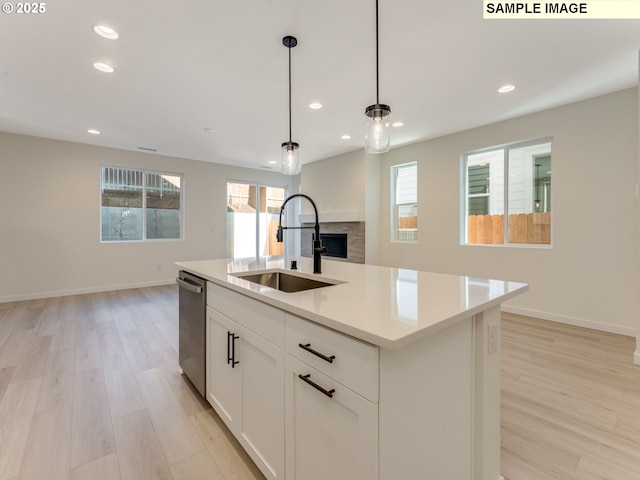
290	160
377	129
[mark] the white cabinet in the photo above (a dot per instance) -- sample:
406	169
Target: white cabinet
262	429
245	378
332	436
224	381
331	428
309	403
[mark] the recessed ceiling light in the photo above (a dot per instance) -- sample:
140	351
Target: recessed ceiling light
506	88
93	131
103	67
106	32
397	124
209	130
315	106
345	137
272	162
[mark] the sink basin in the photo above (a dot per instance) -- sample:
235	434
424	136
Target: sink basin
284	282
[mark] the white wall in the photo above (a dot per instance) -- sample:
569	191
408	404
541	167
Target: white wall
336	185
347	184
50	218
373	207
590	275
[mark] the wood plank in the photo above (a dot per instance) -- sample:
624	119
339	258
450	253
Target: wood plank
198	467
87	353
488	226
6	375
185	393
139	452
57	382
522	235
92	432
101	306
480	229
233	461
513	228
472	227
64	336
48	319
531	234
105	468
34	358
139	355
497	229
11	351
47	452
16	413
164	322
148	331
122	389
177	436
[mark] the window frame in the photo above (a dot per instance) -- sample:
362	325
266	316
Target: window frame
395	206
505	149
144	172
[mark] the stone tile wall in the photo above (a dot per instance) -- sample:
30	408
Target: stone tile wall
355	239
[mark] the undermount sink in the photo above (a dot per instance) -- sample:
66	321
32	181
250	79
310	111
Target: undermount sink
284	282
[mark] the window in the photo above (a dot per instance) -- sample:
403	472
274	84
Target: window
517	214
139	205
404	194
252	220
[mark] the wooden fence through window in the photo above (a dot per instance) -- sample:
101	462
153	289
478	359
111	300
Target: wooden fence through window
533	228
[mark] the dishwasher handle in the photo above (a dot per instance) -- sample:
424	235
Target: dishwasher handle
192	287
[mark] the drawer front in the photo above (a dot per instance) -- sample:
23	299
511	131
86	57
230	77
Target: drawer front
262	319
345	359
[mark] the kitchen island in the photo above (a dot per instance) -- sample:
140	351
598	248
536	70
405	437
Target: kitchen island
385	373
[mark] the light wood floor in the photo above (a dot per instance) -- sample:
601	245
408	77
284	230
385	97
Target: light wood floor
570	403
89	389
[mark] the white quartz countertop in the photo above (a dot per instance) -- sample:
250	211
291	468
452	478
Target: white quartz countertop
388	307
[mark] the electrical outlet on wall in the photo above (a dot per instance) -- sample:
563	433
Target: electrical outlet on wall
493	338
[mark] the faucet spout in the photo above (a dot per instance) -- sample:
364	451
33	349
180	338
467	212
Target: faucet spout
318	249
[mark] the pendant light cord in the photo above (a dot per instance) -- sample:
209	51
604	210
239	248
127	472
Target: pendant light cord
290	93
377	60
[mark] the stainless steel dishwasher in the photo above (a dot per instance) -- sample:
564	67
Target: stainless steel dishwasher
191	329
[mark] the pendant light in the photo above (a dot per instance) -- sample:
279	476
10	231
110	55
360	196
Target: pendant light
290	160
377	129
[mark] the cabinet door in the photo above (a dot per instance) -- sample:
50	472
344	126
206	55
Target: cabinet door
262	432
224	387
327	437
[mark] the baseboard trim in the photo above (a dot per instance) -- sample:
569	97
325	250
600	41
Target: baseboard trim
576	322
636	357
80	291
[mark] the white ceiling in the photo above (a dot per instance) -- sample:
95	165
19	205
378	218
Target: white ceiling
181	67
